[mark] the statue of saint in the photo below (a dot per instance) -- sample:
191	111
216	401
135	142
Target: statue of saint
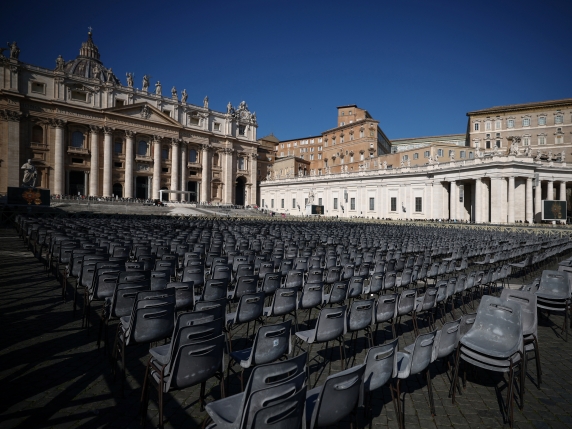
96	71
158	88
229	109
206	102
60	64
129	80
109	73
184	96
563	156
174	92
385	165
30	175
145	83
14	50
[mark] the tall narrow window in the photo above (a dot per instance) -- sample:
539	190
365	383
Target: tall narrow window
293	203
335	203
352	203
393	207
418	204
372	203
37	134
142	148
476	126
77	139
192	155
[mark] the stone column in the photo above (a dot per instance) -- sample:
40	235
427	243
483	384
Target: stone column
13	145
94	161
129	163
184	171
206	173
550	190
538	202
528	202
478	200
59	150
510	200
107	161
156	167
228	170
453	200
496	199
253	179
175	168
562	193
86	181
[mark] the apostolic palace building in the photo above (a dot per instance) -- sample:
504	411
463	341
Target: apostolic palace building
88	133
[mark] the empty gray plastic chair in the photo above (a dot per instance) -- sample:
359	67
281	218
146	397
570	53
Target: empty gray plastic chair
380	368
270	344
495	342
426	304
406	305
250	308
337	295
337	398
553	294
414	360
360	317
385	310
284	302
446	340
286	413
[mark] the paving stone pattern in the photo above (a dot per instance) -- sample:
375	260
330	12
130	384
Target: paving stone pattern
53	374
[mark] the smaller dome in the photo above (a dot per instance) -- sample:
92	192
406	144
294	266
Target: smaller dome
87	63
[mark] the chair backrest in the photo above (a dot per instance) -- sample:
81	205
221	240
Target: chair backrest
467	321
355	287
315	275
422	352
275	373
360	315
216	307
294	278
529	313
271	282
380	365
159	279
331	323
284	301
221	272
338	292
554	285
497	331
214	289
245	285
429	299
376	282
195	275
386	307
196	362
447	339
153	322
250	307
406	303
271	343
124	297
338	397
286	413
460	285
311	295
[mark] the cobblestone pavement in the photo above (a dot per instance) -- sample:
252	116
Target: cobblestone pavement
53	375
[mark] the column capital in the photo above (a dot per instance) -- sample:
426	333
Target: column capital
57	123
129	133
227	150
94	129
10	115
175	142
254	155
207	147
157	138
108	130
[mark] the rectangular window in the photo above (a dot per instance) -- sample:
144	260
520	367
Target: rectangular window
294	203
241	130
352	203
526	141
320	141
451	153
119	103
498	124
319	201
282	203
118	147
262	202
440	152
372	203
305	202
272	203
471	156
393	207
510	123
558	119
488	125
415	155
167	112
476	126
541	140
319	156
78	96
488	144
418	204
216	126
194	120
311	157
542	120
526	122
498	143
405	157
118	164
427	154
463	154
38	87
335	203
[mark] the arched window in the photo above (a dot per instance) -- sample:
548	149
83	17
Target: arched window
77	139
165	152
215	160
192	155
142	148
37	134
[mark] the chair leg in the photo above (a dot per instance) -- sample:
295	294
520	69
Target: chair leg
145	395
430	388
160	391
537	358
453	388
202	395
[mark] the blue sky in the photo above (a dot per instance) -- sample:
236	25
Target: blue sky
416	66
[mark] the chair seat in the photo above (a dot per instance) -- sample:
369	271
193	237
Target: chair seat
241	356
404	363
307	336
224	411
161	353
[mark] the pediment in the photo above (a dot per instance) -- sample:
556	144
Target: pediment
143	111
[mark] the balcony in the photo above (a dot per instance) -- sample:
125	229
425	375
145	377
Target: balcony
38	146
78	150
194	165
143	158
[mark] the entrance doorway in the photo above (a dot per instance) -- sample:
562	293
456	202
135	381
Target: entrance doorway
118	190
192	187
165	195
141	185
240	191
77	182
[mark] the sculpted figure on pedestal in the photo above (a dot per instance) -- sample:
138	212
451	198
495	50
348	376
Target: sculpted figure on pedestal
145	83
158	88
184	96
14	50
129	80
30	175
60	64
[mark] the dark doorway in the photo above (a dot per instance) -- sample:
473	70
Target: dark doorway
240	191
141	185
165	195
77	182
118	190
192	187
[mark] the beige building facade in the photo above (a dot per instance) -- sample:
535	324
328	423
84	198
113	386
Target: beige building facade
88	133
